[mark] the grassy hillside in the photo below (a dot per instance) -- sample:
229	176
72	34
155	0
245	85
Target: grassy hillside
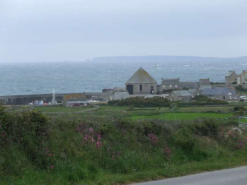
107	146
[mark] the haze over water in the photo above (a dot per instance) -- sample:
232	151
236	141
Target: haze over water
93	76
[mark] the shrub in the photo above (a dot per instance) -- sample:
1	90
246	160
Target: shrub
184	139
240	88
142	102
203	100
26	132
206	128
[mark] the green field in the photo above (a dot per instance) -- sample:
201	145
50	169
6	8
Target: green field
59	109
184	116
164	113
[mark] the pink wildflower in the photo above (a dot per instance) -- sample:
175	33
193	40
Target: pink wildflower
52	166
167	152
153	138
240	144
50	154
91	130
98	144
99	137
86	137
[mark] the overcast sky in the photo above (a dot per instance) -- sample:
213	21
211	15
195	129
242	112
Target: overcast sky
62	30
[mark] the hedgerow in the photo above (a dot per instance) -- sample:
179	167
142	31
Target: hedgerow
79	152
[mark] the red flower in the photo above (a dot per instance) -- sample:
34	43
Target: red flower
52	167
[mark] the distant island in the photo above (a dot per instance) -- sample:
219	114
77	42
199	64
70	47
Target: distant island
166	58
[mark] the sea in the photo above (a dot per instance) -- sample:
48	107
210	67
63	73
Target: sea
93	76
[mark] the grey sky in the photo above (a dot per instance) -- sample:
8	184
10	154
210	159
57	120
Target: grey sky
59	30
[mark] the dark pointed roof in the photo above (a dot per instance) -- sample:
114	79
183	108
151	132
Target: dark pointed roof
141	76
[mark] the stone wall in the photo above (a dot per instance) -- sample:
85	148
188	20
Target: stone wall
46	98
146	88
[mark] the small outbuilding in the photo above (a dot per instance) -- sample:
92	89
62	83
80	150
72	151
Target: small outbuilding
221	93
170	84
205	83
141	83
183	95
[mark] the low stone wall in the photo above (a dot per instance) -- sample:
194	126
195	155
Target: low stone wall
46	98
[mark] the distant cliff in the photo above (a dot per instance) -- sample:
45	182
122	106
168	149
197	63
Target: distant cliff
166	59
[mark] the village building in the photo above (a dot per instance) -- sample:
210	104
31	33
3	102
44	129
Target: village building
231	78
220	93
189	85
170	84
141	83
242	80
183	95
76	103
115	94
234	79
176	84
205	84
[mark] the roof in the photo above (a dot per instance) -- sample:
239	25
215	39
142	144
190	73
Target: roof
182	93
140	77
230	73
218	91
173	81
204	81
189	85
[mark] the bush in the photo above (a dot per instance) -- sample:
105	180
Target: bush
240	88
206	128
204	100
27	133
142	102
163	102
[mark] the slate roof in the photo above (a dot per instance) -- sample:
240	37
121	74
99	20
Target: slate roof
189	85
218	91
204	81
173	81
141	77
181	93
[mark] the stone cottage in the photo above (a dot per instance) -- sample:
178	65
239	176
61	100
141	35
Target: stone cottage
205	83
141	83
231	78
236	79
170	84
220	93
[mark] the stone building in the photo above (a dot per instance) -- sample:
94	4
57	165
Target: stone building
170	84
189	85
205	83
176	84
115	94
220	93
231	78
183	95
242	80
141	83
236	79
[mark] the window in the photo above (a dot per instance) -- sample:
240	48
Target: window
152	90
140	88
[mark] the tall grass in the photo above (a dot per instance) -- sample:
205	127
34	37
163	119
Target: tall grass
36	150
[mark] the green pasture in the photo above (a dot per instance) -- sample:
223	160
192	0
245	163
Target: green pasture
162	113
183	116
52	109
